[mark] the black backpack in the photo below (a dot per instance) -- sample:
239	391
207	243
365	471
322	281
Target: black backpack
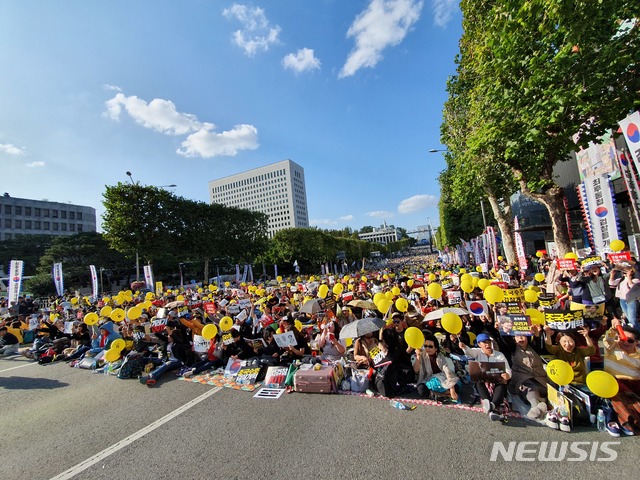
132	366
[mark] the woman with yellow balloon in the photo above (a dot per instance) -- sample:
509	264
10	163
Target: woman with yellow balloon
436	372
566	351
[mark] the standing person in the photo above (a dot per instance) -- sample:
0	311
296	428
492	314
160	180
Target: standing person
596	289
486	353
627	286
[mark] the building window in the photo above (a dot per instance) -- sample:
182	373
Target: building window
45	226
36	225
72	215
54	213
36	212
19	224
27	224
45	212
7	209
63	214
55	226
7	222
79	227
18	210
79	215
63	227
27	211
72	227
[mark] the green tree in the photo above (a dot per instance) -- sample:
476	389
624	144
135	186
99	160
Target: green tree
28	248
550	76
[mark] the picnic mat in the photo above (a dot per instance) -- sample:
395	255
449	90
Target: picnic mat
219	380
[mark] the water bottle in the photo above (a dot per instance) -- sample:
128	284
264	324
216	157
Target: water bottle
600	421
400	406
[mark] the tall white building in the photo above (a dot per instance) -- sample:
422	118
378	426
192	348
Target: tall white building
385	234
277	190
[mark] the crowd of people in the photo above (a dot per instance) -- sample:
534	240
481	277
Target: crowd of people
423	330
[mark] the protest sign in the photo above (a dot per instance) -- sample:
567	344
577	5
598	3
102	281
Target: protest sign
620	257
68	327
275	377
477	307
486	371
200	344
158	325
564	320
566	264
227	338
247	375
269	393
548	300
513	325
454	297
286	339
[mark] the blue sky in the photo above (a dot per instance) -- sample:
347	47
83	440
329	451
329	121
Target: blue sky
183	92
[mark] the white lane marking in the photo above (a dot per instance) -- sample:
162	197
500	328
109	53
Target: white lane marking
81	467
20	366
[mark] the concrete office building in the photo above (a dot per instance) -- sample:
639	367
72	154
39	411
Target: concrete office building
383	235
22	216
277	190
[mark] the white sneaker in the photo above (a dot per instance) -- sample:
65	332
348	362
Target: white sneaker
533	413
486	406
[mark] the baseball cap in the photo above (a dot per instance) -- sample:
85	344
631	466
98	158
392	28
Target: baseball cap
483	337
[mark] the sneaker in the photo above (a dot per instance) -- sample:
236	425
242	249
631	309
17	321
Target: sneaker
495	416
627	431
370	392
542	406
613	429
552	421
188	374
150	381
487	406
565	424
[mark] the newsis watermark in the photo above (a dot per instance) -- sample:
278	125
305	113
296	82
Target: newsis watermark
554	451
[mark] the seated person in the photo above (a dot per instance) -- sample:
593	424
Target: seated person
433	368
486	353
101	342
213	358
328	342
82	338
622	357
239	349
270	353
301	348
179	354
529	378
361	348
9	343
567	351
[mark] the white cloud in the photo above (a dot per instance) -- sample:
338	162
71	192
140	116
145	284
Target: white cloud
257	34
417	203
443	11
202	141
11	149
346	218
322	221
380	214
206	144
35	164
301	61
113	88
384	23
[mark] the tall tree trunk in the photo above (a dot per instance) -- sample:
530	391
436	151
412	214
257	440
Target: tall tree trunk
206	271
553	200
502	213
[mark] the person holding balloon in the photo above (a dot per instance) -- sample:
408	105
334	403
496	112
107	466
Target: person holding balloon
436	372
568	352
622	356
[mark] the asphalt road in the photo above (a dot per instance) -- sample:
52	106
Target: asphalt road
55	418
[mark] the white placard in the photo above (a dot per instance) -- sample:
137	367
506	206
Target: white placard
269	393
286	339
200	344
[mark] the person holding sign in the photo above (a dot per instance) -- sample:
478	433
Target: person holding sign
567	351
485	353
361	348
436	372
301	348
625	280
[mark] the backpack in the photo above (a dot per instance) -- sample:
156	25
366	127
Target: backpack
133	366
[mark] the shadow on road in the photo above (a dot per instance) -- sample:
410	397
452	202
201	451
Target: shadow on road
26	383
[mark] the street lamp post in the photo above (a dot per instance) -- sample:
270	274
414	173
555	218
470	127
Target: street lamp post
101	283
173	185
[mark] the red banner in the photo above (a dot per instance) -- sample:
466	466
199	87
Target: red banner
566	264
619	257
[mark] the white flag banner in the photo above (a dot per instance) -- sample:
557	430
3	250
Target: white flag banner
245	272
15	280
520	253
237	274
631	130
601	211
275	270
58	279
148	277
94	281
250	274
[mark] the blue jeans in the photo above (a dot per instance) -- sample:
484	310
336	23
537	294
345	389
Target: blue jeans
630	310
167	366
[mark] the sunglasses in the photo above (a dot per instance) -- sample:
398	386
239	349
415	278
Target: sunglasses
397	321
429	346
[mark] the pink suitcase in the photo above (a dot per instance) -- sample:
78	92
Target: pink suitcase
308	380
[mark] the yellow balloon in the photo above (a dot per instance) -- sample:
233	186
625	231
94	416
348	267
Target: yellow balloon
389	295
493	294
117	315
363	278
530	296
149	296
323	290
475	281
434	290
466	278
105	311
134	313
377	297
466	287
602	383
560	372
74	301
112	355
384	305
298	325
539	277
410	282
279	279
402	305
478	269
395	291
472	337
209	331
91	318
226	323
106	299
338	288
462	271
414	337
349	342
535	288
616	246
432	277
483	283
537	317
451	323
571	255
118	344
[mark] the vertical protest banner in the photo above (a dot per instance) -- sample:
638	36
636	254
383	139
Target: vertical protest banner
94	282
601	211
15	280
159	289
245	272
148	276
58	280
630	127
